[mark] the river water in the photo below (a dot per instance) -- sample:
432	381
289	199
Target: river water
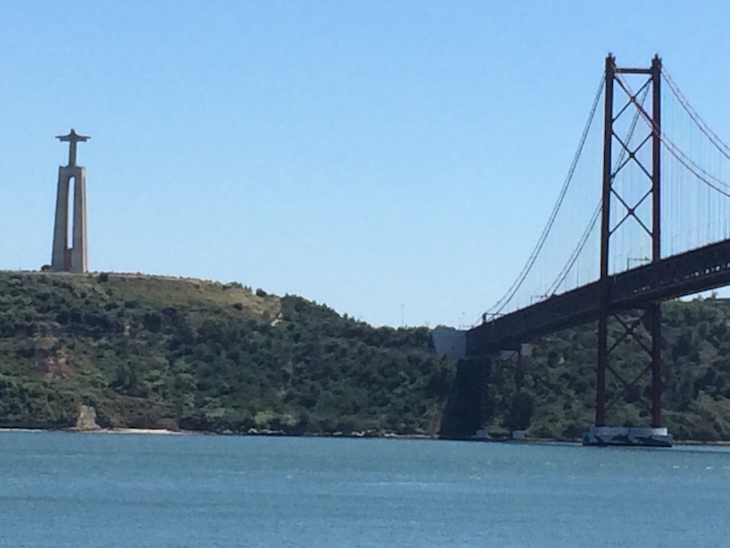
63	489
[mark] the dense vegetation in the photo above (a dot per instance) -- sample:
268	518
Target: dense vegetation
159	352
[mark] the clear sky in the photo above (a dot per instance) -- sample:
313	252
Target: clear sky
393	160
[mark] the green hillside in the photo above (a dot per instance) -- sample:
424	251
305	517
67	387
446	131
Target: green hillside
155	352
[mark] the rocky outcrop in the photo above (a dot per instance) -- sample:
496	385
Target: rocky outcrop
86	418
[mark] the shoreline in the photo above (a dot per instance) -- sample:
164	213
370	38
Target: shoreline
355	435
142	431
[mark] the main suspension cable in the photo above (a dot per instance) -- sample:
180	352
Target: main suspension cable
701	173
694	115
553	288
507	297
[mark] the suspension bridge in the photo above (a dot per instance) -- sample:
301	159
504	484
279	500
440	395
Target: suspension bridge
657	227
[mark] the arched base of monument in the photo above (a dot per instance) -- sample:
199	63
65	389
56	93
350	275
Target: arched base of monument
639	436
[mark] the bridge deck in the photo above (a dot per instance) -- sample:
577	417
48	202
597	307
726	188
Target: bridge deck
701	269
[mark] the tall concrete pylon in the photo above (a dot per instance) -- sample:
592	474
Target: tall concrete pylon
63	257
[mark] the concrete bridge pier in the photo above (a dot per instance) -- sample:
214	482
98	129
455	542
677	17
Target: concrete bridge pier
645	436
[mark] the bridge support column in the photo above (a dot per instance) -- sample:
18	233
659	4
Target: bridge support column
655	315
600	434
605	297
655	308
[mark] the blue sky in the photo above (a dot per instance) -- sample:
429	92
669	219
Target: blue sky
394	160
